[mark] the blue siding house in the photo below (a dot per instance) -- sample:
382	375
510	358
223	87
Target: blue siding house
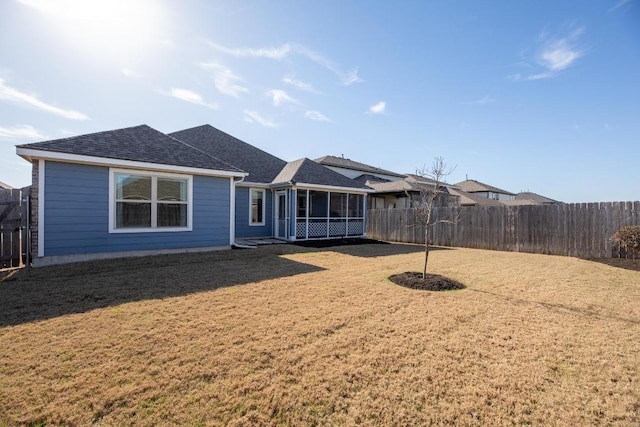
137	191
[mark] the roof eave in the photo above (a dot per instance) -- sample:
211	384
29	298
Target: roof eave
332	188
31	154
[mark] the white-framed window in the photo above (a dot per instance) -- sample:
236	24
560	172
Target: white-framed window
142	201
256	206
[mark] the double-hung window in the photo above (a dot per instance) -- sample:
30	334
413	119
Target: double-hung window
257	206
144	201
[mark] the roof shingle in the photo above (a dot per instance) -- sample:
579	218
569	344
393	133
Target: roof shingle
341	162
261	166
309	172
139	143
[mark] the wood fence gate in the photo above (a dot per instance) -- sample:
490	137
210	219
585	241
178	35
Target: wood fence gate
14	227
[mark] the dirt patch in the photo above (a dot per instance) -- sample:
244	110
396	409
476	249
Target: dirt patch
431	282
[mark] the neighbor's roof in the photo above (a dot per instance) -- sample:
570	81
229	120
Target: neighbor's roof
4	186
521	202
261	166
401	186
527	195
473	186
307	171
139	143
470	199
421	179
341	162
365	177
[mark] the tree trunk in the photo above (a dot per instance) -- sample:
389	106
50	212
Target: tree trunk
426	251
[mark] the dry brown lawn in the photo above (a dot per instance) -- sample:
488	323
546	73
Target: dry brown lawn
284	335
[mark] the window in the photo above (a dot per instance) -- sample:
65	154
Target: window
257	206
148	202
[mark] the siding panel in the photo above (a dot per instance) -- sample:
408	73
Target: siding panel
77	212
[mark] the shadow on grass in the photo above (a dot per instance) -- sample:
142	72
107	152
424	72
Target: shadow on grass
624	263
47	292
366	248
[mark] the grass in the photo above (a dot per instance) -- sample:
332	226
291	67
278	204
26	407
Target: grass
285	335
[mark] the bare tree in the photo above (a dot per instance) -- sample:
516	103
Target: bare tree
432	194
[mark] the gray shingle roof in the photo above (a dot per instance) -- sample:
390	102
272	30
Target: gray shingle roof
473	186
362	179
350	164
139	143
4	186
261	166
527	195
309	172
421	179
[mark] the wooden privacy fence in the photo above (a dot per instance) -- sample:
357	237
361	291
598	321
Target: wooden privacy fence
14	234
577	229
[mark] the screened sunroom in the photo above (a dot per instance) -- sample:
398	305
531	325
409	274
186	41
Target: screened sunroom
328	214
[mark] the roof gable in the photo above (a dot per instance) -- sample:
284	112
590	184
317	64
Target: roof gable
261	166
139	143
309	172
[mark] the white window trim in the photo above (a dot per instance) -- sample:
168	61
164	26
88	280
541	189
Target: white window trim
112	202
264	207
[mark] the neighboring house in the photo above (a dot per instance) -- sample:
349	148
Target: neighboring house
356	170
408	193
484	190
472	199
390	189
4	186
138	191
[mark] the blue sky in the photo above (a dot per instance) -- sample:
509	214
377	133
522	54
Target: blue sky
523	95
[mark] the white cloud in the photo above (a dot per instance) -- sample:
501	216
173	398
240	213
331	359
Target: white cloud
316	115
21	132
269	52
378	108
7	93
620	4
254	117
192	97
278	53
351	77
290	80
481	101
554	55
280	97
225	79
132	74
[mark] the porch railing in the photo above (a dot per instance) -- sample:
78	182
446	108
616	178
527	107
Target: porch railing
325	227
